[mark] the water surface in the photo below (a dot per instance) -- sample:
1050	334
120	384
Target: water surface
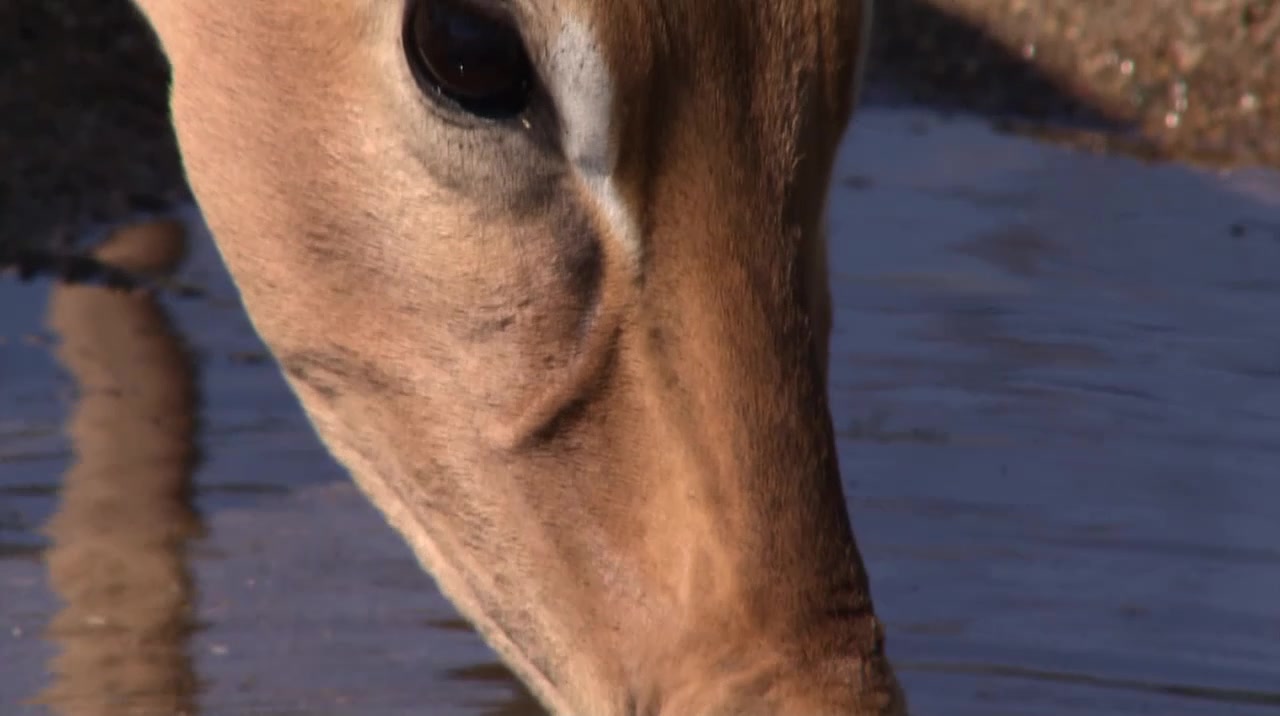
1056	379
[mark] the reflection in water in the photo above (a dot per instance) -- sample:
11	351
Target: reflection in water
119	536
1056	381
519	702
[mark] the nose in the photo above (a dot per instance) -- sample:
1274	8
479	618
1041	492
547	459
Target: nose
776	611
837	687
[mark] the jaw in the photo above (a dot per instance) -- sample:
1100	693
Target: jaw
591	398
607	592
434	544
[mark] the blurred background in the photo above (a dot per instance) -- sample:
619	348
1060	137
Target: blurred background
84	132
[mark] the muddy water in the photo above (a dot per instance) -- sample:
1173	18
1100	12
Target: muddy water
1056	380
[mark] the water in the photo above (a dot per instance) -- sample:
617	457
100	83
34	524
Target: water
1056	379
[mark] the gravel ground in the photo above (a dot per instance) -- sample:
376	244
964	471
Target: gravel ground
1187	79
85	136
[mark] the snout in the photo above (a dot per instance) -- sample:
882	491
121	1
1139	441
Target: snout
837	687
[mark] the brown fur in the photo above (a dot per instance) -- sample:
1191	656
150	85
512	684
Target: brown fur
623	474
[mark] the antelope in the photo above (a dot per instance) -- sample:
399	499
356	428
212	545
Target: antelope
548	278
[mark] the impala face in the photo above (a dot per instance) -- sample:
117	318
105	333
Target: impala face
549	278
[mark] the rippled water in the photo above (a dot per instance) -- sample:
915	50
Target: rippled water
1056	380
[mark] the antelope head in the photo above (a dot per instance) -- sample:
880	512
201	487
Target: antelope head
548	277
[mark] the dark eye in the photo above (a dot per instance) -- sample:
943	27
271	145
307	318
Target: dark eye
471	55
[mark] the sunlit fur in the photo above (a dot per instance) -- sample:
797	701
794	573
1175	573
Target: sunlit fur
579	362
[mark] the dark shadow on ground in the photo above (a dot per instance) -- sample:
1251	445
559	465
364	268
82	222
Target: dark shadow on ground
922	54
84	124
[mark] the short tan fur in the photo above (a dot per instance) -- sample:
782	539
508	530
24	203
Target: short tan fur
578	360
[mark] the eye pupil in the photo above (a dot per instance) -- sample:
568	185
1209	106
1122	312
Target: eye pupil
470	55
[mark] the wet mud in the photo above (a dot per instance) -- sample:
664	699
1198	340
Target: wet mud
1056	379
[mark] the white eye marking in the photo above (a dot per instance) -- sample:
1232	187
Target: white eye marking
583	88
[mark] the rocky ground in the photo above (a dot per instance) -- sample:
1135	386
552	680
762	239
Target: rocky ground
84	135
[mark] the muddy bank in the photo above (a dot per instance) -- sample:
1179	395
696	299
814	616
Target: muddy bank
1185	79
84	133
